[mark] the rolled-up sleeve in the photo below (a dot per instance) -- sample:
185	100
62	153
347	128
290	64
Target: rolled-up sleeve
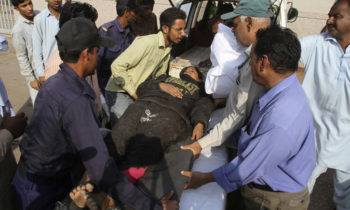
262	155
81	126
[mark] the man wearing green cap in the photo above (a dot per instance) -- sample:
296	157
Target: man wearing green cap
248	18
276	148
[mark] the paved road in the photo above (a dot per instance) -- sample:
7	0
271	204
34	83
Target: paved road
18	93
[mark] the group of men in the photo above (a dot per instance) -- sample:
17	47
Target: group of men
287	134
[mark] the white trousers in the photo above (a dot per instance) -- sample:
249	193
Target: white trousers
341	182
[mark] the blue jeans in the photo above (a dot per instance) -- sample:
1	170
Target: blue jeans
117	104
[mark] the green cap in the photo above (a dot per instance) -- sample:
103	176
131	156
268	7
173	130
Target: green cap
253	8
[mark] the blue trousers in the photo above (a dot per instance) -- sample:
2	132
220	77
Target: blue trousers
31	196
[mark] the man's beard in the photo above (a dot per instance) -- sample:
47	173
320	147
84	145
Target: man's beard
170	41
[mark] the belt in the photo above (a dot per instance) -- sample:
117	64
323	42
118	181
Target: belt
261	187
25	173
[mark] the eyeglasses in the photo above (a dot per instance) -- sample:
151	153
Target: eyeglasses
179	30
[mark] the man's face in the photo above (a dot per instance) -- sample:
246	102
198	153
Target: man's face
130	16
26	9
147	10
244	35
92	62
192	72
177	32
55	4
338	23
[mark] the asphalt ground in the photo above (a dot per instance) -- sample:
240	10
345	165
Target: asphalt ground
321	198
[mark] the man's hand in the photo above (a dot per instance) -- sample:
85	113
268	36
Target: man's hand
134	96
205	63
169	204
195	148
35	84
197	179
197	132
42	79
171	89
15	124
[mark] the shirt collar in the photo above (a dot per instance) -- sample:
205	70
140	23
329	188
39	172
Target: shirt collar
269	95
161	42
87	90
24	20
329	37
120	27
48	13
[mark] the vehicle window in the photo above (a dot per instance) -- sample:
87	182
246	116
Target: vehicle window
186	8
201	10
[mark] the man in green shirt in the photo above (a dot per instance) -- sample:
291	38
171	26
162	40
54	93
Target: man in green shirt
147	57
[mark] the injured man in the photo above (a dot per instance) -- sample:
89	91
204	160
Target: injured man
168	113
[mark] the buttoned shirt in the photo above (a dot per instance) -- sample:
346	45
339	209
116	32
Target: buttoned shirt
146	57
64	135
276	146
226	56
122	37
44	42
22	42
327	86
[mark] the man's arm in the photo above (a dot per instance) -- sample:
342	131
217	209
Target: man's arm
80	124
308	45
264	152
11	127
37	48
201	111
127	60
22	56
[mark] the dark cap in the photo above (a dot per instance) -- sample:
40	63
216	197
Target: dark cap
252	8
80	33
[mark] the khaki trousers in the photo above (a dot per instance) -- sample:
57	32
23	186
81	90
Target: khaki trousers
257	199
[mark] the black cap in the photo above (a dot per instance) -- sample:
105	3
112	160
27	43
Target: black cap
80	33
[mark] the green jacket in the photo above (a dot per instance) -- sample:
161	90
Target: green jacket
146	56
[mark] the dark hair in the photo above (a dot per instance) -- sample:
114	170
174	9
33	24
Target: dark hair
168	16
281	46
124	5
73	56
15	3
77	9
338	1
146	2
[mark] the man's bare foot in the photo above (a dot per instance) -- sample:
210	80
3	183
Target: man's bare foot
81	198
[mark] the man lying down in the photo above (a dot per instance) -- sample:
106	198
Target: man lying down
168	113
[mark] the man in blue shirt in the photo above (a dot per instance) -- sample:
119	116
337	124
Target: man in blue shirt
119	31
276	150
63	138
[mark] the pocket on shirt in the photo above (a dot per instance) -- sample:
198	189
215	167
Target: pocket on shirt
113	52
